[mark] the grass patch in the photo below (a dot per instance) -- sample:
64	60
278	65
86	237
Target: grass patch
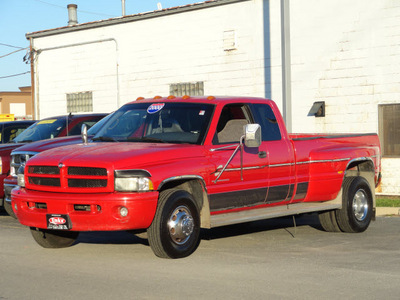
387	202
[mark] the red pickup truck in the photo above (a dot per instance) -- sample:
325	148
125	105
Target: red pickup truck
48	128
174	165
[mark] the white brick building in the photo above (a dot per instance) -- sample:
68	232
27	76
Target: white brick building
345	53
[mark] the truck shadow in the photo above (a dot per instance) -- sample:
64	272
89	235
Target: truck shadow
286	223
126	238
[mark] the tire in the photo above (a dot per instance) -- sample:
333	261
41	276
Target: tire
8	209
356	212
54	238
175	230
328	221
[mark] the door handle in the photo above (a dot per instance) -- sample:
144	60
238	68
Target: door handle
262	154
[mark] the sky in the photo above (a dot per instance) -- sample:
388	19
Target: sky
19	17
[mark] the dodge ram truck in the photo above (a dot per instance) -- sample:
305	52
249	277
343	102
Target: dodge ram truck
47	128
171	166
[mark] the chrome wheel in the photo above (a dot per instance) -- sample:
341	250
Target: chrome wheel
360	205
180	225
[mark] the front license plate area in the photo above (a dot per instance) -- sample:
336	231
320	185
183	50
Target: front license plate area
58	222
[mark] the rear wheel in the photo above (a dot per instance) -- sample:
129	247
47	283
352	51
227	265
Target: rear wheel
356	212
54	238
328	221
175	230
8	209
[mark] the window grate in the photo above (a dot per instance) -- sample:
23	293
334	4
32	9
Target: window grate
80	102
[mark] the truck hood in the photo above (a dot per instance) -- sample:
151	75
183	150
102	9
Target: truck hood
5	149
44	145
116	155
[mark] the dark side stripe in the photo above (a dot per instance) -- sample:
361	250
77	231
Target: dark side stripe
247	198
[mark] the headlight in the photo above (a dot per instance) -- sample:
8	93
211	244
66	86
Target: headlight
21	176
133	181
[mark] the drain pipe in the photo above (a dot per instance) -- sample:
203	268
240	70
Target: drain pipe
123	7
286	65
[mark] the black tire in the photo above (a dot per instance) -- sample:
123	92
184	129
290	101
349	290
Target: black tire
8	209
175	230
54	238
328	221
356	212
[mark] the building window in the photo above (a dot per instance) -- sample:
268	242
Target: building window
389	129
80	102
187	88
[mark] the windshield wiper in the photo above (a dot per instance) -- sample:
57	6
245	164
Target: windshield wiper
105	139
146	140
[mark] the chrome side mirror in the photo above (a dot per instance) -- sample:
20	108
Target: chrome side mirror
84	134
252	135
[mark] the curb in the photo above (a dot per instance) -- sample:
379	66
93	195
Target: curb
388	211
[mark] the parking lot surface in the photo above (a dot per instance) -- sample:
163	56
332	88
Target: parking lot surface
268	259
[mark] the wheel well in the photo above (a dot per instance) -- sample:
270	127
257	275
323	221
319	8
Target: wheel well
197	189
364	168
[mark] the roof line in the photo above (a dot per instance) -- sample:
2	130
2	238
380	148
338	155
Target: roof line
131	18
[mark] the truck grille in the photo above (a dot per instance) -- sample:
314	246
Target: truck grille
73	179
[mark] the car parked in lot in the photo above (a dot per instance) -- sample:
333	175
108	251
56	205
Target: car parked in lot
22	154
49	128
11	129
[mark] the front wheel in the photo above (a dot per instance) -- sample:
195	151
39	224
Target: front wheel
175	230
356	212
54	238
8	209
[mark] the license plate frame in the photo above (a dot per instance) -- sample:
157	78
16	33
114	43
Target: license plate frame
58	222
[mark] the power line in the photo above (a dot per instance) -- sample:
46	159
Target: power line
81	11
13	52
7	45
19	74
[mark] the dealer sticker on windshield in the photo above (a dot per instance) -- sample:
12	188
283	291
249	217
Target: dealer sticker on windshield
155	107
58	222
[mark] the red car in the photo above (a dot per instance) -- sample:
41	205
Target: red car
174	165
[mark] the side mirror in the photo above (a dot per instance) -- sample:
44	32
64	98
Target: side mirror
252	135
84	134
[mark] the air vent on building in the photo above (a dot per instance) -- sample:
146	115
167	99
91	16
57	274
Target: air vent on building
230	40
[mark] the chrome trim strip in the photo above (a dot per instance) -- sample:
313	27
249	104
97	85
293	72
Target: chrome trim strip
271	212
24	152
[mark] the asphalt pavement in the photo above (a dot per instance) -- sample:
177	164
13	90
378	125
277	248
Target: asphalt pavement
269	259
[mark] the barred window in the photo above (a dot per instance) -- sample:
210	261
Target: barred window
187	88
389	129
80	102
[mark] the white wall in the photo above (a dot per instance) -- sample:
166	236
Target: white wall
143	58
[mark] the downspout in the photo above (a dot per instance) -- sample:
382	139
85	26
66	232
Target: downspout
286	65
32	78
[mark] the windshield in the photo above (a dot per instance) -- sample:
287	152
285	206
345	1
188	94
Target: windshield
45	129
96	127
158	122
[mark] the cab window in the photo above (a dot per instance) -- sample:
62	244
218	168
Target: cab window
231	122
